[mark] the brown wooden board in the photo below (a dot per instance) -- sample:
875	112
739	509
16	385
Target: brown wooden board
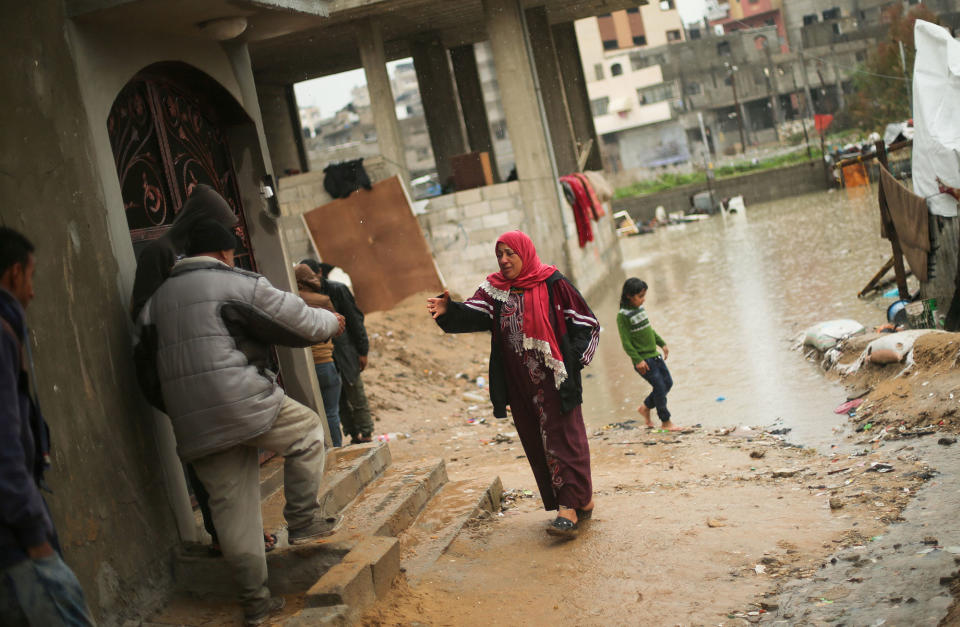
374	236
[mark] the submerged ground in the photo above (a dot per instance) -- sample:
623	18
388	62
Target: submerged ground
773	510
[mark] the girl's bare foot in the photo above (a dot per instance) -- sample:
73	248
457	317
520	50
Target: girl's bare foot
669	426
645	412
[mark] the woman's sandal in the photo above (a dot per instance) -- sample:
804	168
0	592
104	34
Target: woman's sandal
563	528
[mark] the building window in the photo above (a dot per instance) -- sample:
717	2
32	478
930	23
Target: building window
673	35
693	33
633	10
723	49
609	44
666	5
831	14
600	106
655	93
693	89
640	61
616	69
640	40
598	71
810	19
728	80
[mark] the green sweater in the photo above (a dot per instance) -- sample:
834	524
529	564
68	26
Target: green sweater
639	339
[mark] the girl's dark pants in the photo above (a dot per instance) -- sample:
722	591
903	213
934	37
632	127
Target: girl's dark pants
659	377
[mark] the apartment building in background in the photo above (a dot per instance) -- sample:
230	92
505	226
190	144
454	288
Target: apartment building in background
633	108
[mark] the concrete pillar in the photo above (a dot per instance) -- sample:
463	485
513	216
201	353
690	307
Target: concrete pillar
544	216
575	87
440	107
472	105
280	130
370	44
552	90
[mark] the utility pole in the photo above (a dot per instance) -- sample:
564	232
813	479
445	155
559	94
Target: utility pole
803	123
737	107
903	66
773	90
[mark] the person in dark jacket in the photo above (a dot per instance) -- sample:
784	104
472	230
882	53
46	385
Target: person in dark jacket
350	355
542	334
36	586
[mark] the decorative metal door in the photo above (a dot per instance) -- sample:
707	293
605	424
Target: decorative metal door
165	141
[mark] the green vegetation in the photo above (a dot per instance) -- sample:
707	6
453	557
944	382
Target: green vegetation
671	180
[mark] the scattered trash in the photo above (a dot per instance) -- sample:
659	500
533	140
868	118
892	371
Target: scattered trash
946	441
849	405
836	503
476	421
760	569
785	472
757	454
879	467
720	399
390	437
626	424
473	397
716	522
481	382
929	540
783	431
501	437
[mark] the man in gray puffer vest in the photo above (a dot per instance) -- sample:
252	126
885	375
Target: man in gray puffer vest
203	350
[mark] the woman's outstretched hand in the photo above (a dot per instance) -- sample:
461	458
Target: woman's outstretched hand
438	306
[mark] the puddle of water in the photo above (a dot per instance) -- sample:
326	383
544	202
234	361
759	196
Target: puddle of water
729	295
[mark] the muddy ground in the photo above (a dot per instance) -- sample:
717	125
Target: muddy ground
709	527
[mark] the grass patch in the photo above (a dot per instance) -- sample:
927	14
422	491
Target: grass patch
671	180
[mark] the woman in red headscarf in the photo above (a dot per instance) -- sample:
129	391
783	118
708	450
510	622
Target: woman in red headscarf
542	335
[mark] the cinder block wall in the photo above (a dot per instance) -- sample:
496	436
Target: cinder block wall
462	229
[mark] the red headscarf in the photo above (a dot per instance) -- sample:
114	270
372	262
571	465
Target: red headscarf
538	332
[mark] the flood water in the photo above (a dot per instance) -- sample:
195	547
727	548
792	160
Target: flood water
729	296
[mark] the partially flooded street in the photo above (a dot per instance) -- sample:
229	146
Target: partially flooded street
729	295
717	526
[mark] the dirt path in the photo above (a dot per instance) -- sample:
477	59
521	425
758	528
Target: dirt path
702	528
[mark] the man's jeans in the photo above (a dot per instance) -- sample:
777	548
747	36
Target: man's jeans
659	377
232	478
329	380
42	591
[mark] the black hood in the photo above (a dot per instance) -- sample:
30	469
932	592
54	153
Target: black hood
204	203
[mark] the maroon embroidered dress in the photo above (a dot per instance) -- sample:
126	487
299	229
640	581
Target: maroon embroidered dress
555	441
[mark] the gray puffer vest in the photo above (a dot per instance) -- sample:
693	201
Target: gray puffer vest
207	333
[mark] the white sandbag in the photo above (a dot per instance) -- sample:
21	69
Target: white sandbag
893	347
826	335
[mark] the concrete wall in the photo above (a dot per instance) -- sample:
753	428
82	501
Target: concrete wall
60	187
755	188
462	229
108	503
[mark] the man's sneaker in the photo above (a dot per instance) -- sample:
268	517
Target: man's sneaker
320	528
274	604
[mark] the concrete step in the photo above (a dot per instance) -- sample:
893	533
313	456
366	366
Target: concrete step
392	502
200	574
454	505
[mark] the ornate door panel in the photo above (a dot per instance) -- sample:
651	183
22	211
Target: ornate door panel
165	142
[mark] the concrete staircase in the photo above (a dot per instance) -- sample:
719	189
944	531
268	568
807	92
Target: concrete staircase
395	516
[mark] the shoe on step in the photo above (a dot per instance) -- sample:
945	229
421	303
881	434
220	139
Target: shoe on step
274	604
319	528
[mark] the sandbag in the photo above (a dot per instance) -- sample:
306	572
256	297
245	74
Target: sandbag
826	335
893	347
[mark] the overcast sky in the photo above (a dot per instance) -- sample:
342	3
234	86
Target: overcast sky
332	93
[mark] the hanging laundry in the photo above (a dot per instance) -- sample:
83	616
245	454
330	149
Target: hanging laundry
910	217
342	179
581	209
595	207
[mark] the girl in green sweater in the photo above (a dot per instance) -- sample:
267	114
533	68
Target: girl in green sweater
640	342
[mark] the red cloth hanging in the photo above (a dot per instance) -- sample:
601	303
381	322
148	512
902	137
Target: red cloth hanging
596	207
581	209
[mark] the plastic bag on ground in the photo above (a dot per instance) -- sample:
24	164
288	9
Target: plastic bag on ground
826	335
893	347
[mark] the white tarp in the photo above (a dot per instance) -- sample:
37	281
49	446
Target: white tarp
936	116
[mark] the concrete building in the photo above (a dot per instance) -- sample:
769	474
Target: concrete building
750	14
633	108
115	109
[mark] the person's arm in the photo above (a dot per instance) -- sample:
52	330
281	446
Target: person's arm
623	327
277	317
661	343
21	507
473	314
582	326
356	330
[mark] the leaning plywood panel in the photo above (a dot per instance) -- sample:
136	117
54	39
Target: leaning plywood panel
374	236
